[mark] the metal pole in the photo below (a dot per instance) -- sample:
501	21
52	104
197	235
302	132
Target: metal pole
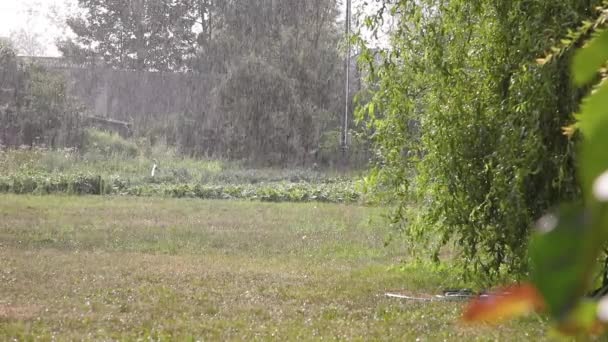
347	86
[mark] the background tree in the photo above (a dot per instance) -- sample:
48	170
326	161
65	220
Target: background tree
35	108
27	43
296	48
245	49
136	34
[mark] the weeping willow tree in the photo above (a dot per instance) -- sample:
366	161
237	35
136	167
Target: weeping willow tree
485	156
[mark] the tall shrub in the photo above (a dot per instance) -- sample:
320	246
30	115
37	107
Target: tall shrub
34	106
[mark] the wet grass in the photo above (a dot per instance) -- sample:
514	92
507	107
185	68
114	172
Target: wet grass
99	268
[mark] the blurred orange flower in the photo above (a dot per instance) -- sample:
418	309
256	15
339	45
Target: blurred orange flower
507	303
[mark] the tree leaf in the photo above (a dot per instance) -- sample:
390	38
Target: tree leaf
593	122
371	109
590	59
563	255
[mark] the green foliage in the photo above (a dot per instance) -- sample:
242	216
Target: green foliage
466	125
120	33
570	242
105	144
562	285
565	249
34	106
89	184
82	184
331	150
8	56
269	120
590	59
108	170
273	69
341	192
173	168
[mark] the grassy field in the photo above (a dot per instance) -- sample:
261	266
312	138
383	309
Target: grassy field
104	268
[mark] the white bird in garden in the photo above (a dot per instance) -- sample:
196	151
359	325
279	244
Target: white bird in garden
154	168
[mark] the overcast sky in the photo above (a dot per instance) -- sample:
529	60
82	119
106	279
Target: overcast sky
33	16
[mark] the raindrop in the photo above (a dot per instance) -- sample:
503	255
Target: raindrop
600	187
547	223
602	309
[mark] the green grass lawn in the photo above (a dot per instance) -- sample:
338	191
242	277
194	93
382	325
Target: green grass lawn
105	268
